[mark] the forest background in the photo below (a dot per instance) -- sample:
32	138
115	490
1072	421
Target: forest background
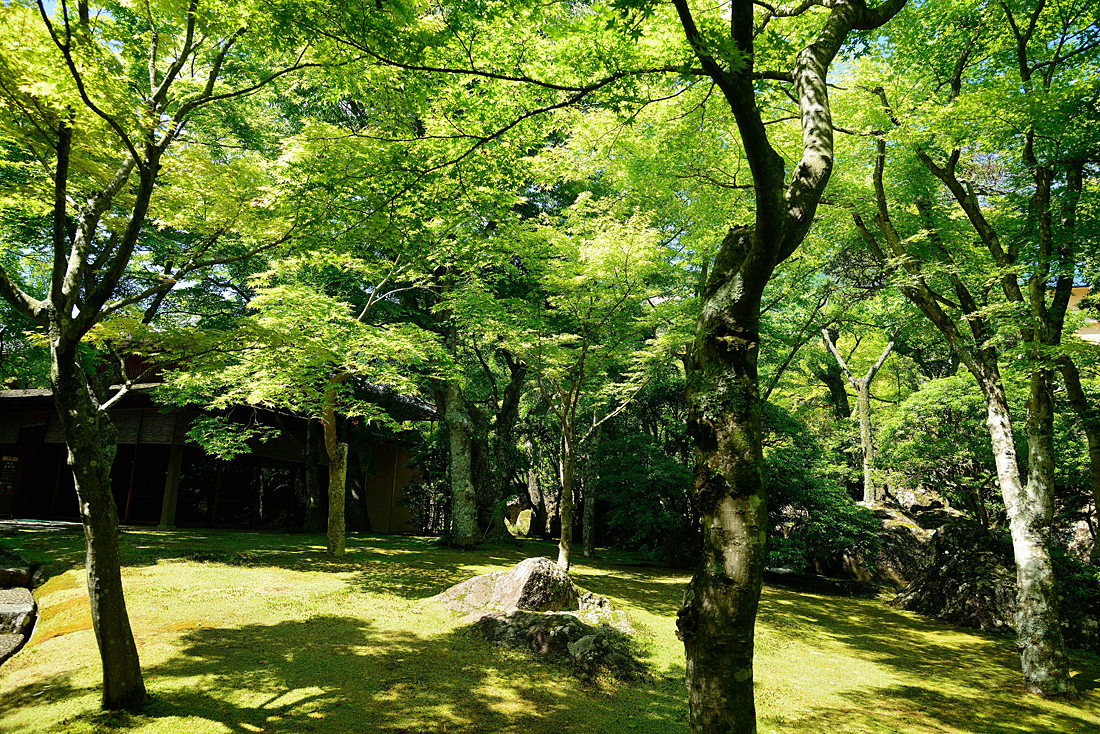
634	255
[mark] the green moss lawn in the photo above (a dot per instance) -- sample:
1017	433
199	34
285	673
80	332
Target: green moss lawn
261	632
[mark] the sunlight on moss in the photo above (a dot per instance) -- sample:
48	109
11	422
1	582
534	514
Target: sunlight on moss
258	632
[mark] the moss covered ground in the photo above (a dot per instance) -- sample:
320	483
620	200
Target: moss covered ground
262	632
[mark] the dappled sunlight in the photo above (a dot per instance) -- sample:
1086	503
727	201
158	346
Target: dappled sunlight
261	632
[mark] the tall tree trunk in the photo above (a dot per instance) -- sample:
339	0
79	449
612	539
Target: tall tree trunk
505	446
567	459
718	617
337	473
1044	664
1042	655
463	496
337	468
588	521
1090	425
81	421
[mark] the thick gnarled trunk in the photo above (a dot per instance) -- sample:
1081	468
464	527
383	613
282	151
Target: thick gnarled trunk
123	686
718	617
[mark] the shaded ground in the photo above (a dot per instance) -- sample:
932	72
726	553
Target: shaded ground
250	632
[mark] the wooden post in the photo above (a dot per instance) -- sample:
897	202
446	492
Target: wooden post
257	474
57	480
171	488
130	489
217	490
133	470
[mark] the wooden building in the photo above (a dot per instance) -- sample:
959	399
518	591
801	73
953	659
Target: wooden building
160	479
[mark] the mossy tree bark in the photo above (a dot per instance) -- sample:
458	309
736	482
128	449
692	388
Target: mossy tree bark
566	465
718	617
337	468
463	497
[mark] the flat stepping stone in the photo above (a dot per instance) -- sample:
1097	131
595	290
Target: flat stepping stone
16	611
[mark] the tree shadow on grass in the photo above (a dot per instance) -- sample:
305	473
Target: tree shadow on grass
58	687
920	708
337	674
888	637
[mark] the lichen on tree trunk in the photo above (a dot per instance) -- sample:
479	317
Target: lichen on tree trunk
463	496
718	616
1039	633
337	473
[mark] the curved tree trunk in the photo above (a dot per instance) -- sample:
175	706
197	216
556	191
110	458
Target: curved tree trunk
1043	661
463	496
81	420
718	617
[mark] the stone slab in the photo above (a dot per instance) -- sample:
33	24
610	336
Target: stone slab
16	611
9	645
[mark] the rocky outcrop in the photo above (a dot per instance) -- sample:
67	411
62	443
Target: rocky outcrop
971	582
1074	538
17	606
536	606
904	543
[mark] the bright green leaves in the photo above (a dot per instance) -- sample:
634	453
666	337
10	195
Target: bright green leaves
224	438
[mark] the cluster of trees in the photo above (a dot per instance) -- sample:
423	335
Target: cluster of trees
636	255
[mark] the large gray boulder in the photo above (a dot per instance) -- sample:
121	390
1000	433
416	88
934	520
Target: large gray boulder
532	585
536	606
